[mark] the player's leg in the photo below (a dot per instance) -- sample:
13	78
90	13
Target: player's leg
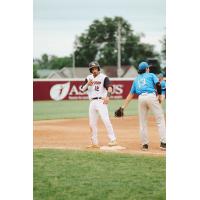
93	118
143	113
162	97
155	106
103	112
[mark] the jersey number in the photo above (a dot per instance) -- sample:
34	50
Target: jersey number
96	88
141	82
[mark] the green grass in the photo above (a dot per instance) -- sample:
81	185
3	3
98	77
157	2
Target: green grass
75	109
76	175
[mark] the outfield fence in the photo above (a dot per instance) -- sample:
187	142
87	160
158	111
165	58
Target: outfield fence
63	89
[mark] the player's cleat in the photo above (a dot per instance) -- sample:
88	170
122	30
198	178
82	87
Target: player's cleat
112	143
163	146
93	146
145	147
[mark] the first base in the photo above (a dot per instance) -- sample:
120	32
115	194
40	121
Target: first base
113	148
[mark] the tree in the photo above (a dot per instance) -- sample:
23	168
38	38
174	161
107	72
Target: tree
45	58
99	42
35	75
163	50
59	62
52	62
43	63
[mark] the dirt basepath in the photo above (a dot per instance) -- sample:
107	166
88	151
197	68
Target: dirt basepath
75	134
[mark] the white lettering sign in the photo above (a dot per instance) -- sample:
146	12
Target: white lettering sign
118	89
59	91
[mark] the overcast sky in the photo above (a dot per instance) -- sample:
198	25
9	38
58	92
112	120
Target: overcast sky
57	22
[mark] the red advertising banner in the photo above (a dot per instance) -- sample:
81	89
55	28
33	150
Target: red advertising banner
70	89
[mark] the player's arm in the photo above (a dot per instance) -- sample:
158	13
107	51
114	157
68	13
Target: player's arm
127	100
109	93
158	87
85	85
130	96
107	84
120	111
159	91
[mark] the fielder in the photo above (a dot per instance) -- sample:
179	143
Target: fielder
162	80
99	90
144	86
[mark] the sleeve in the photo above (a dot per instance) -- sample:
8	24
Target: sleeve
133	90
107	83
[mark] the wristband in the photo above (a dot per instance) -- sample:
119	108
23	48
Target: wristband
108	94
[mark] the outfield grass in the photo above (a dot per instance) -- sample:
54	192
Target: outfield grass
75	109
76	175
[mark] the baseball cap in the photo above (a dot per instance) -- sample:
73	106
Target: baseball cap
160	75
143	65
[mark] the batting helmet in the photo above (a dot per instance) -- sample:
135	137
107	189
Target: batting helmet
94	64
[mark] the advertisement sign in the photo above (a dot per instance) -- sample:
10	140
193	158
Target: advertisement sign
70	89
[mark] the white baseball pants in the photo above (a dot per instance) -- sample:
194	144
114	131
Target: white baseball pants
145	102
97	107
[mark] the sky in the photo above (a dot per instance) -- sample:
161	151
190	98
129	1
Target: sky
56	23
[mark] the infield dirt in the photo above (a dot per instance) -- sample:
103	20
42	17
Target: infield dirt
75	134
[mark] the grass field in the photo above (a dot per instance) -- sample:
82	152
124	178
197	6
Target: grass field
76	175
75	109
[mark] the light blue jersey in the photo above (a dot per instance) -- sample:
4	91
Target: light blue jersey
144	83
163	87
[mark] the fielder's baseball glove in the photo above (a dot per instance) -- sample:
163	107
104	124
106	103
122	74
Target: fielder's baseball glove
119	112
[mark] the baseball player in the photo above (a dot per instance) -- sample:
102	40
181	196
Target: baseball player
163	87
99	90
162	80
144	86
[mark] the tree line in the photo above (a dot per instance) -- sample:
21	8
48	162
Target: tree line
99	42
